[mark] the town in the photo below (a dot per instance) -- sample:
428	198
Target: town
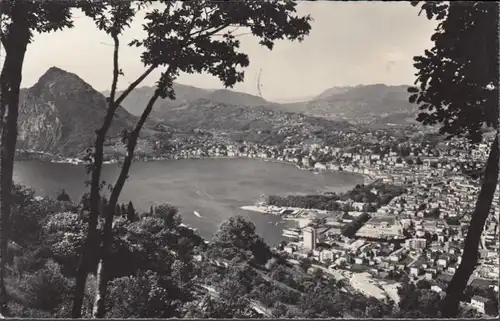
418	234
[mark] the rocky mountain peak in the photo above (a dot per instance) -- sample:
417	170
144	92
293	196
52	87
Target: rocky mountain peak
61	112
59	81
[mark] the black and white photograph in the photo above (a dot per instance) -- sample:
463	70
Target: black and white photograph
253	159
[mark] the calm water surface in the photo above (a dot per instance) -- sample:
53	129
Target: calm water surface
215	188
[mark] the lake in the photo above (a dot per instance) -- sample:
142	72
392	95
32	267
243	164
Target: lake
215	188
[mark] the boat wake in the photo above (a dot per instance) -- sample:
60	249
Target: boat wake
203	193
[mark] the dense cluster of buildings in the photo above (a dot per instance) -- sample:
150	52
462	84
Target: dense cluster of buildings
420	234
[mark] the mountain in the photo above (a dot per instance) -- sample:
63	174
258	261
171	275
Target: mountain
138	98
330	92
226	96
292	100
262	124
61	113
364	104
378	104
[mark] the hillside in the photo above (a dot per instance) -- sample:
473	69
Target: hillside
138	98
360	104
331	91
61	112
379	105
259	124
226	96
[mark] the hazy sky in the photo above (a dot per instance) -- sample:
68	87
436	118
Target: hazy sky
350	43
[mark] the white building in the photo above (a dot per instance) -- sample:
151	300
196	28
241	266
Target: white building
479	303
309	234
326	255
416	243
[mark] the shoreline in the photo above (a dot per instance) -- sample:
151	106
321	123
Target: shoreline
367	179
256	209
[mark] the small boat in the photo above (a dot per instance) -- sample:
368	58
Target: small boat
197	214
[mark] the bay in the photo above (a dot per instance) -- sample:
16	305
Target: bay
215	188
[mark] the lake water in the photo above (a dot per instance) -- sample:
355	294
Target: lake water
215	188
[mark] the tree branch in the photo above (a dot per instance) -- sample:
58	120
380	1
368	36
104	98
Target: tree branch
116	69
133	137
208	34
135	84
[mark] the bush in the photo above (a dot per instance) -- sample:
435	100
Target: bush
65	235
28	262
141	296
47	289
18	310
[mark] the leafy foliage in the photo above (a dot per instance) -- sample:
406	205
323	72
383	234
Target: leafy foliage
28	215
330	202
63	197
458	86
418	302
458	77
47	289
154	273
39	16
187	32
236	240
145	295
350	229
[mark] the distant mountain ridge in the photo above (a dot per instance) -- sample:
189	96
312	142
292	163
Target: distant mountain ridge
330	92
61	112
364	103
138	98
359	104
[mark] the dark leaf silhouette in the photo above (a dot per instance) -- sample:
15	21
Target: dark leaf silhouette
458	89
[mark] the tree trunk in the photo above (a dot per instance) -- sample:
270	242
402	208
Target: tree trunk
102	273
458	283
102	277
15	45
91	242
